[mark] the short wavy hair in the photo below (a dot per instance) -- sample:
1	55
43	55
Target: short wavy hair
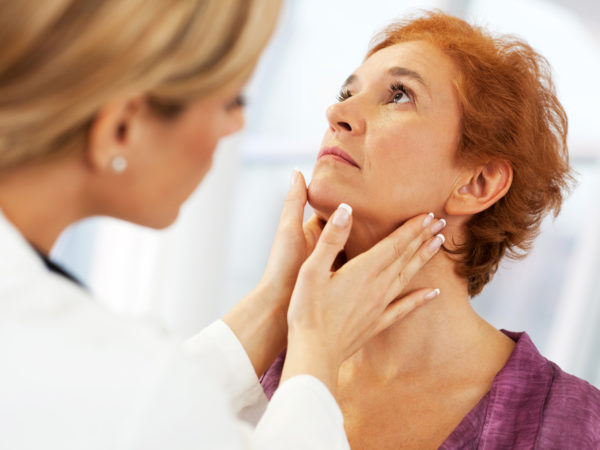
510	112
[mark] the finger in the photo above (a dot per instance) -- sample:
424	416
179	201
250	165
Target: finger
292	213
400	245
312	230
399	309
401	276
396	270
333	238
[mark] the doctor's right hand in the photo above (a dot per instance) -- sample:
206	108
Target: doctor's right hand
333	314
259	320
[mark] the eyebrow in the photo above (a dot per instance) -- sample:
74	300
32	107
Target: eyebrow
404	72
349	80
396	72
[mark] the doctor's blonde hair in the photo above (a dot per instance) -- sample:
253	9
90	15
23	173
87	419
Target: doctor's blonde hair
62	60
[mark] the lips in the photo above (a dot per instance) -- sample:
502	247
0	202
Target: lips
338	154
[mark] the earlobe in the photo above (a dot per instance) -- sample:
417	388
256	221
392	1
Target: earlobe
480	188
108	136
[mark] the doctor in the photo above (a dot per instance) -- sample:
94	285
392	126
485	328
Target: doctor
111	107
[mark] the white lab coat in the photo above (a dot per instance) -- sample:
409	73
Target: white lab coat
74	376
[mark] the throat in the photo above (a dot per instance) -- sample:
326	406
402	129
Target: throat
419	407
441	341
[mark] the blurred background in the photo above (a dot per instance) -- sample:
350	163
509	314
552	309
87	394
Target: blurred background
192	273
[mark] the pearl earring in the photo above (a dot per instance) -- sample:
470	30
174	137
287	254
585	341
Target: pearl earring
118	164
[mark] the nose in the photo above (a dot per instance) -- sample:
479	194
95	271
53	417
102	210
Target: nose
345	117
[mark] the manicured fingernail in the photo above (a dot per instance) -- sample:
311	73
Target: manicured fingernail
428	219
437	242
342	215
294	176
438	226
432	294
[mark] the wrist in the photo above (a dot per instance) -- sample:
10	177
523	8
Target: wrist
277	291
261	327
308	355
274	299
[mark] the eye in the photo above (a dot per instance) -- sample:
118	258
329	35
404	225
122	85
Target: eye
344	94
399	94
239	101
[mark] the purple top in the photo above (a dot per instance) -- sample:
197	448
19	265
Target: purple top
532	404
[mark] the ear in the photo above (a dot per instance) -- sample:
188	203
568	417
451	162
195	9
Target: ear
480	188
109	134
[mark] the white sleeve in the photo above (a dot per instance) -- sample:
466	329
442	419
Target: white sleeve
301	415
224	356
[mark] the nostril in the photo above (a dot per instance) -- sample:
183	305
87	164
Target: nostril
345	125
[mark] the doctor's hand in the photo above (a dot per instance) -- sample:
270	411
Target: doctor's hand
259	320
332	314
293	243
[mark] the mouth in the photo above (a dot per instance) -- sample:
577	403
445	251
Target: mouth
338	154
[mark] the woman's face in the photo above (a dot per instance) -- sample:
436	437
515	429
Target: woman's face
398	119
172	156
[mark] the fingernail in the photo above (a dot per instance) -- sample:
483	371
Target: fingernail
428	219
432	294
294	176
438	226
342	215
437	242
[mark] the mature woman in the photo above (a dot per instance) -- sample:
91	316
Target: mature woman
115	107
442	115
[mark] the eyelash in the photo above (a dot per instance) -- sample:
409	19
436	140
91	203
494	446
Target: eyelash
345	93
397	87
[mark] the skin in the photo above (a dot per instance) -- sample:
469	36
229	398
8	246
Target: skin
83	184
410	385
405	145
166	160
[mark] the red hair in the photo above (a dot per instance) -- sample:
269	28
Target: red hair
509	112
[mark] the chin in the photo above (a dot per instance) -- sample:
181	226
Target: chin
161	223
155	220
324	198
372	221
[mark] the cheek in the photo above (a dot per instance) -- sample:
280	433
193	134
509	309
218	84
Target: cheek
197	147
401	155
415	168
184	164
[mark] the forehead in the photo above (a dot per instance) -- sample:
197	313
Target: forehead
421	57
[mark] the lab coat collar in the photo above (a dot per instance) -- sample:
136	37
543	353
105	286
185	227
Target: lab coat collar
15	251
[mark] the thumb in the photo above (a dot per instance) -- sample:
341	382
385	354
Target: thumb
333	237
292	213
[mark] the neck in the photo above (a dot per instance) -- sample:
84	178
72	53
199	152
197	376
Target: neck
50	194
444	336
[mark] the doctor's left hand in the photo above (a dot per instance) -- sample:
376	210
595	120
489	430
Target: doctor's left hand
259	320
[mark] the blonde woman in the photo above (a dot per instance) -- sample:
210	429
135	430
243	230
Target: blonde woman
115	107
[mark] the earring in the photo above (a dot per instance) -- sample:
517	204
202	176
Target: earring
118	164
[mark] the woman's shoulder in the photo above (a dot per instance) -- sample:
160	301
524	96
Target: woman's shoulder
567	388
564	409
571	416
